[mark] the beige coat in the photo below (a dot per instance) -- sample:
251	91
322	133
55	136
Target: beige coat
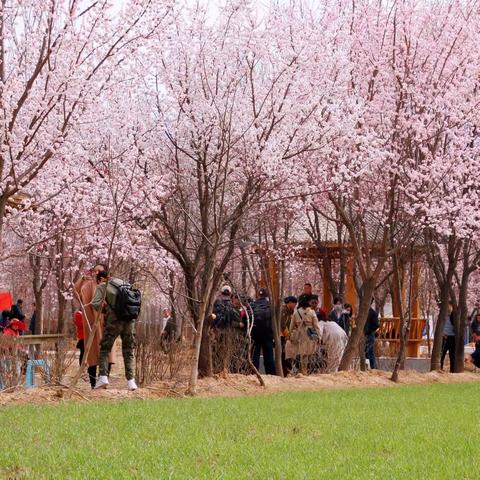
84	292
335	340
300	342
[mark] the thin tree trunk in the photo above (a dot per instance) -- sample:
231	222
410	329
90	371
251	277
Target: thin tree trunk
461	322
404	322
192	386
357	334
275	306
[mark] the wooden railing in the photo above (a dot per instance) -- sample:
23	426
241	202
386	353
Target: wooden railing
388	336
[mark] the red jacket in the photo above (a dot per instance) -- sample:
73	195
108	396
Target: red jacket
78	317
10	332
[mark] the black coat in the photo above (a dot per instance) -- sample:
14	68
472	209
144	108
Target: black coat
16	312
262	320
373	322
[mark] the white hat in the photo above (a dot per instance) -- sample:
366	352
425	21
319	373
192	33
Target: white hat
226	288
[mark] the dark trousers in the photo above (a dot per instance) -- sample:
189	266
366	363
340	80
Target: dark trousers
286	364
81	347
265	346
92	373
448	346
370	349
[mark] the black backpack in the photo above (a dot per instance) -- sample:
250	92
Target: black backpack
128	301
222	309
262	317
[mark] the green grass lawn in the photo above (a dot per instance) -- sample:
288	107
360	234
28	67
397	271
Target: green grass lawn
397	433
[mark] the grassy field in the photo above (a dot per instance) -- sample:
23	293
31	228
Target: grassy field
427	432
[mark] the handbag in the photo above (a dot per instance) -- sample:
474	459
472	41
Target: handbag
312	334
299	331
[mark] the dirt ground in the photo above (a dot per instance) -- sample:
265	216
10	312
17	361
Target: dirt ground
228	386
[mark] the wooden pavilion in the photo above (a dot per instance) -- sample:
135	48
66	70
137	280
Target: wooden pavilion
388	335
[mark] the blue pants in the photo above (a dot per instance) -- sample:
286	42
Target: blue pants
264	345
370	350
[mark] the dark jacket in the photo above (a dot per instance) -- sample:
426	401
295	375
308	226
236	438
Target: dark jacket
373	322
226	315
33	323
5	318
342	320
476	355
16	312
262	320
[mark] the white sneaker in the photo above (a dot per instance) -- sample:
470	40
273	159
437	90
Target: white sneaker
102	382
131	385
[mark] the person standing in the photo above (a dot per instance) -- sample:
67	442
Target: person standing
226	318
476	353
105	300
304	333
371	326
84	290
262	333
5	318
307	289
169	330
223	309
348	312
17	310
319	311
449	340
33	320
338	315
288	308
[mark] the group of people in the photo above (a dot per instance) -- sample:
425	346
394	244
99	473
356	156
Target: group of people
310	338
13	321
108	308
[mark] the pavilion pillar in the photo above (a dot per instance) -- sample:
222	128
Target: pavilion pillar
397	297
327	294
415	290
269	277
274	284
350	291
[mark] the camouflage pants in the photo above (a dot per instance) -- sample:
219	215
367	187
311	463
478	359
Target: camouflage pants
126	330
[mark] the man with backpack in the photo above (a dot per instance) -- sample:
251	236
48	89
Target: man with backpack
227	318
121	305
262	333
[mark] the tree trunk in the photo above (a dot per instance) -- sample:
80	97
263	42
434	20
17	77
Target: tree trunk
205	366
351	349
461	323
62	303
404	322
37	286
275	306
38	312
200	335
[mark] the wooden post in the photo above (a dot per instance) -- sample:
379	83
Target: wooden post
350	292
415	292
416	327
274	280
327	294
397	297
